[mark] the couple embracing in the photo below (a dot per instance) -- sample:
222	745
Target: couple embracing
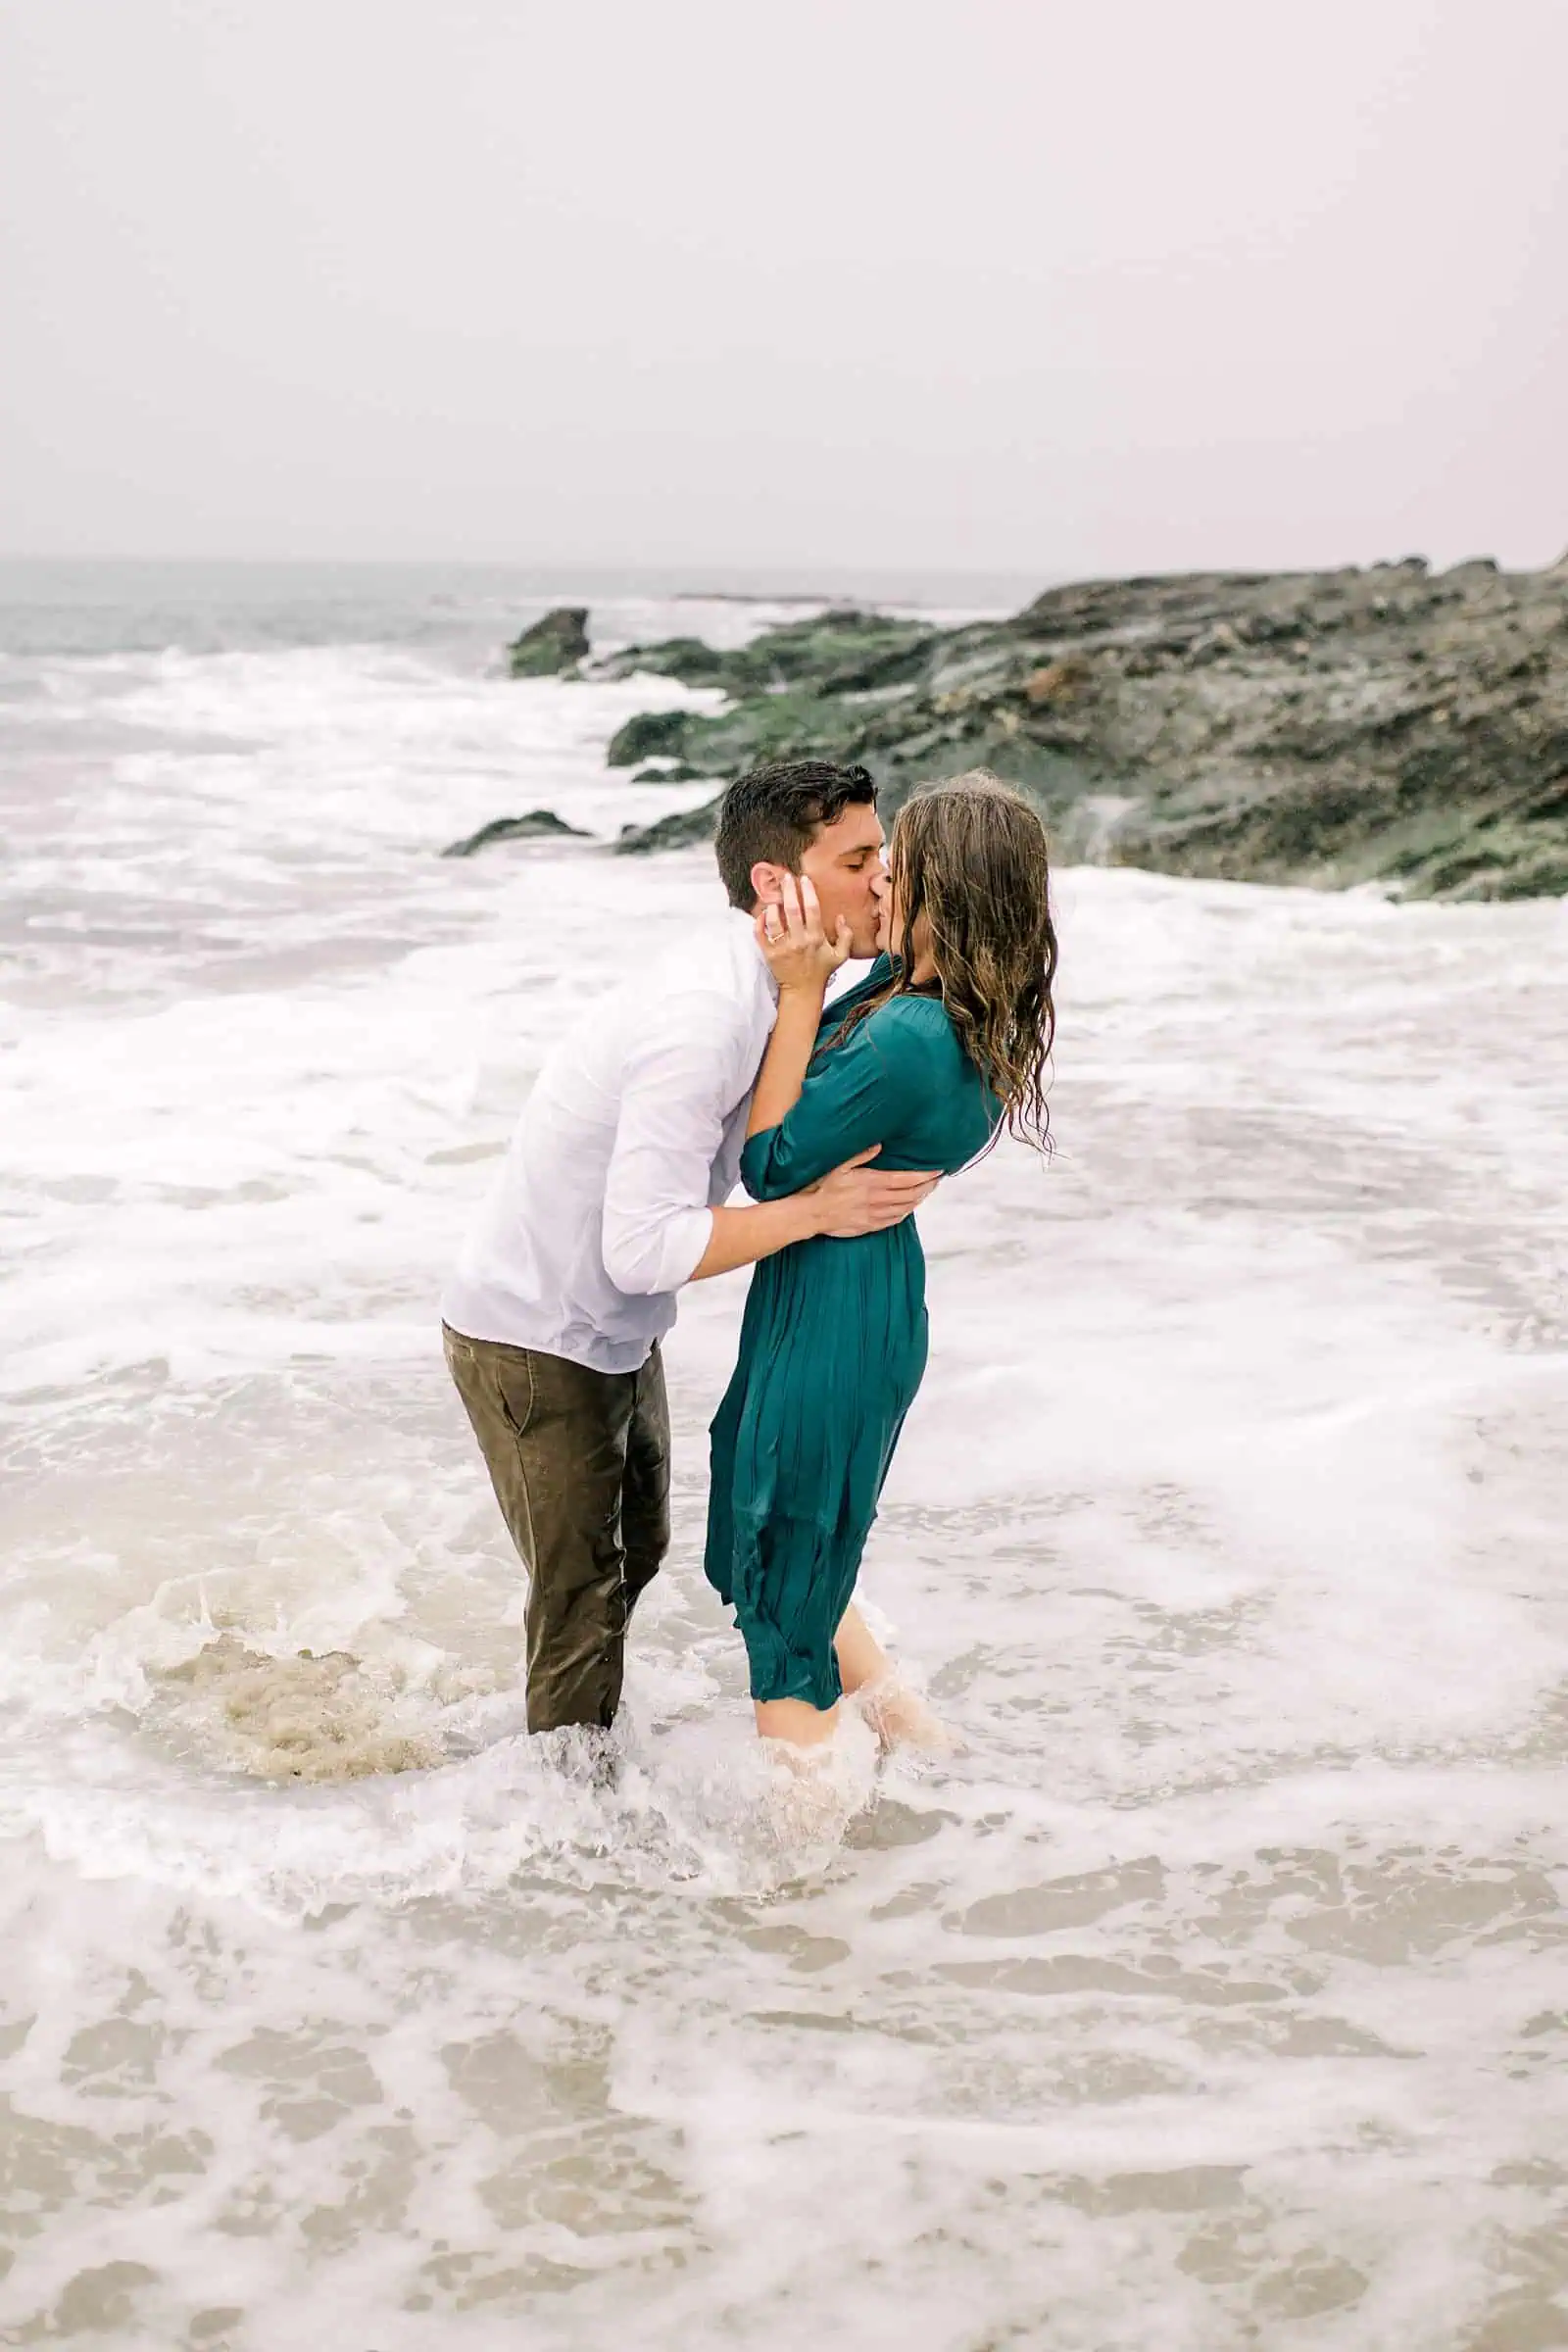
728	1060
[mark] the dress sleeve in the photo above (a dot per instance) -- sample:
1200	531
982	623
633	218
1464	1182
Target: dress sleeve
860	1093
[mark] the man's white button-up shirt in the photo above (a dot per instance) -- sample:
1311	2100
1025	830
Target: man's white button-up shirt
631	1137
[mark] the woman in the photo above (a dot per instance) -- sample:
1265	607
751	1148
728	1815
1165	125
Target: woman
948	1037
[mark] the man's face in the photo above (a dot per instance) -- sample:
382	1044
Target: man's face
846	869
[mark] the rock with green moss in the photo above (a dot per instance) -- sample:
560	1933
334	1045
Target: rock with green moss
686	659
842	651
651	735
554	647
1385	726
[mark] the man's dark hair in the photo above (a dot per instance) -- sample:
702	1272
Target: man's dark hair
770	818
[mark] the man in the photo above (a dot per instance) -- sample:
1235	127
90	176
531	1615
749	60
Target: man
611	1199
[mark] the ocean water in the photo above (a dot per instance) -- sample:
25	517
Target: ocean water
1216	1996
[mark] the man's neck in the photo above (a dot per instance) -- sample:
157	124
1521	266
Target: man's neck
739	915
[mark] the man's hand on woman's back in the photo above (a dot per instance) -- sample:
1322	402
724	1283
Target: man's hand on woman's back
855	1198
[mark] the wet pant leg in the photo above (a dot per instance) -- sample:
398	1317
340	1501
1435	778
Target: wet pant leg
579	1462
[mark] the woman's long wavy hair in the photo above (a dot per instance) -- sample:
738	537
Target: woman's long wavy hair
970	856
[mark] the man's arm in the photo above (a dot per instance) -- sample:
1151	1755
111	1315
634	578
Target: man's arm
668	1137
853	1199
657	1236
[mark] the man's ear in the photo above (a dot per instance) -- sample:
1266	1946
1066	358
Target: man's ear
767	881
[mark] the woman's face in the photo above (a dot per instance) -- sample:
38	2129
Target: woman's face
892	929
889	925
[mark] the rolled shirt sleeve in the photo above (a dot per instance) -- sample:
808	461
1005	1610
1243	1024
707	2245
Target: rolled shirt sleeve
677	1091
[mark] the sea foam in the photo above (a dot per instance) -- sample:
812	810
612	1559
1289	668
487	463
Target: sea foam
1212	1996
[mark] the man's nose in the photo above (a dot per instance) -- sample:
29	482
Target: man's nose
879	882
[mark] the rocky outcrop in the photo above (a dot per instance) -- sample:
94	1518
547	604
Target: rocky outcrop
1382	726
540	824
554	647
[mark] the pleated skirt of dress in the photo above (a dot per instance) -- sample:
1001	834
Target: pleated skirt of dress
833	1348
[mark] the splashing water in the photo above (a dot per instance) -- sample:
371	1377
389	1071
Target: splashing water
1211	1997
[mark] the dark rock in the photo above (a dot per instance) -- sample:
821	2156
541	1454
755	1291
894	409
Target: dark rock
553	647
672	772
540	824
651	735
678	832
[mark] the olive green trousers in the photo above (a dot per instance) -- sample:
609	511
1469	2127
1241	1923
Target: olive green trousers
579	1462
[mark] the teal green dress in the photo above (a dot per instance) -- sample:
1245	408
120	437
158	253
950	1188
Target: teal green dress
833	1344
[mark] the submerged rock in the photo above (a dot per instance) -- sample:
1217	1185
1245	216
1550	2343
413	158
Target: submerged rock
553	647
540	824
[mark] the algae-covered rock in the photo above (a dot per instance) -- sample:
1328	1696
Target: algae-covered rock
1387	725
651	735
792	722
841	652
687	658
553	647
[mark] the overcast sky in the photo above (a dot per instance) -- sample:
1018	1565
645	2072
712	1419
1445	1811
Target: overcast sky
1000	285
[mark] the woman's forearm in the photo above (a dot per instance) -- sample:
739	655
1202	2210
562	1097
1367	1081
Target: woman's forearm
787	1057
